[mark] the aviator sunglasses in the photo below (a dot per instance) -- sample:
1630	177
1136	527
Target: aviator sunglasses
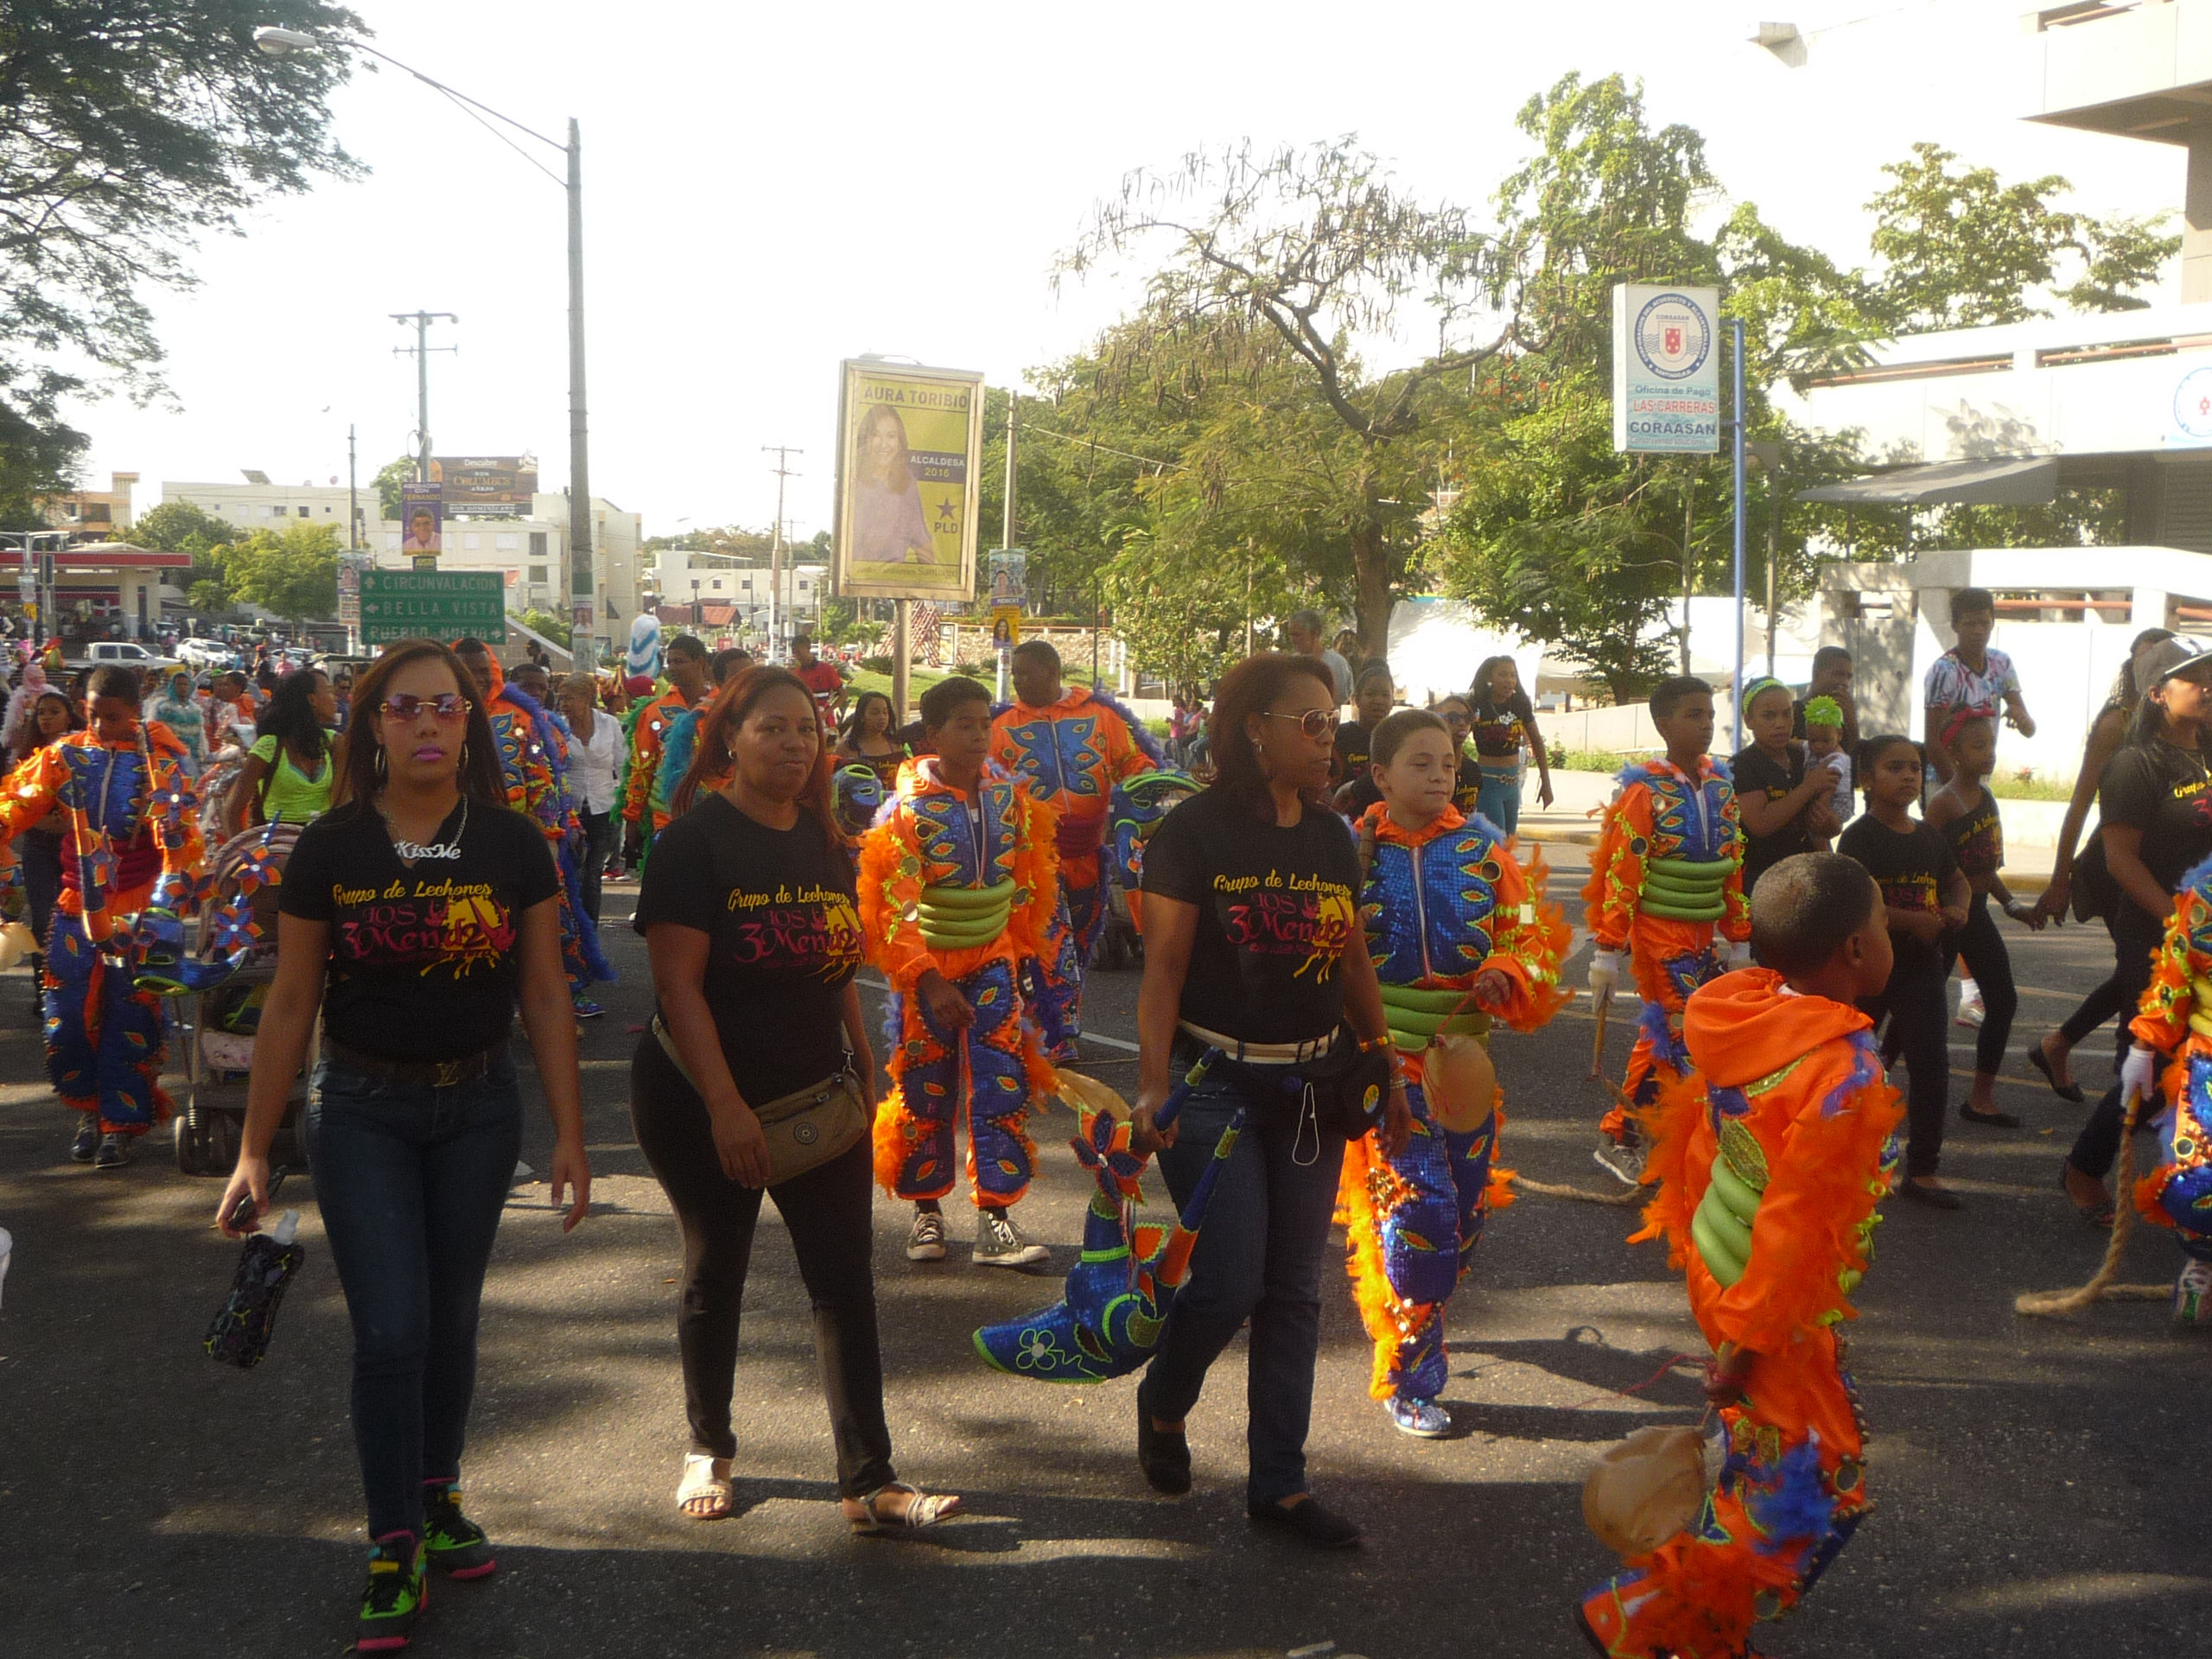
1316	723
448	705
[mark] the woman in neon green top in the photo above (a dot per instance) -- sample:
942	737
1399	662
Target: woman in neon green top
289	772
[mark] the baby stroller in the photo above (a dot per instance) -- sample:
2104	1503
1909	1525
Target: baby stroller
238	921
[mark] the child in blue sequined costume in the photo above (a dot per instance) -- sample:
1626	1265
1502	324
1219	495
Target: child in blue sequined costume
1458	936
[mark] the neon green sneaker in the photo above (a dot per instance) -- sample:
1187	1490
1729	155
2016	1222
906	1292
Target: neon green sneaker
456	1545
396	1594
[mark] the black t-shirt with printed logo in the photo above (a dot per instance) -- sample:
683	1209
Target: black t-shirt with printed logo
1912	871
424	958
1277	909
783	937
2163	791
1500	730
1755	770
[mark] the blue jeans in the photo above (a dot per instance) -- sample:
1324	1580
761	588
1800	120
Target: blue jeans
1258	1256
411	1180
1499	799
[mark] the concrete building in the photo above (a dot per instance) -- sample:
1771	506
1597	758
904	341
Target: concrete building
92	515
2136	69
718	580
530	550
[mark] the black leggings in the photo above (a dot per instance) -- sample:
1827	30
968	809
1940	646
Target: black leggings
2108	999
827	1211
1982	946
1913	1003
2136	937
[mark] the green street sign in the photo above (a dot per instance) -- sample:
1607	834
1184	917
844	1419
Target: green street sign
432	605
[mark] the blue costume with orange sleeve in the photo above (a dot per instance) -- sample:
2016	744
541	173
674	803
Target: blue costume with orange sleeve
1071	753
966	884
1441	905
1666	875
131	839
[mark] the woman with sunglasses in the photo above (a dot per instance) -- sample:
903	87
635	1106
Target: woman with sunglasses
1253	947
418	914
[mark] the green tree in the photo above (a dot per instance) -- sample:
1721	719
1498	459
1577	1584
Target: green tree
386	485
1961	249
128	128
294	573
1275	265
546	623
173	525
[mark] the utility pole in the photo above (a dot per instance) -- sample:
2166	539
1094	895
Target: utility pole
582	597
1006	523
352	494
420	350
782	453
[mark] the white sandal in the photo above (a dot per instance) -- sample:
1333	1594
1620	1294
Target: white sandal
700	1481
925	1509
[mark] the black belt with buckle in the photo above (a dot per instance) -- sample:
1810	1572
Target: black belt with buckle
437	1074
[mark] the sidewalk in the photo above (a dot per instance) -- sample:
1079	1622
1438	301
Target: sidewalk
1579	797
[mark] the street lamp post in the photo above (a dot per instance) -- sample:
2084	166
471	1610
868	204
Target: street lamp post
279	42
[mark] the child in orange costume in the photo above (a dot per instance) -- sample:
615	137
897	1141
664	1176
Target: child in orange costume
958	882
1666	874
1770	1158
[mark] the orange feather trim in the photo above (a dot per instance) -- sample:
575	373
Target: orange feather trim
1667	1125
1552	927
1387	1318
1707	1595
1800	1269
1499	1194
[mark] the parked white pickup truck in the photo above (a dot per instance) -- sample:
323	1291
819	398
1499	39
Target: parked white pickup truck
126	652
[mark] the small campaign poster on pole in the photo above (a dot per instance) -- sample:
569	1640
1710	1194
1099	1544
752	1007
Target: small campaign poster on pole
1666	369
421	517
1008	568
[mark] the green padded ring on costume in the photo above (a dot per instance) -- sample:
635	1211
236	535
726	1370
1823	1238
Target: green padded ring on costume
1682	913
1725	1269
1468	1020
948	897
965	917
1673	882
1721	1227
1666	892
1691	869
1412	996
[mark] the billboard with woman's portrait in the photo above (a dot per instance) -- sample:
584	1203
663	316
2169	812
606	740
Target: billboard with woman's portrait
908	444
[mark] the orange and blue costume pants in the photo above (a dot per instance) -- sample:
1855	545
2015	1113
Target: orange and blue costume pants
103	1036
2178	1193
1671	960
992	1067
1791	1491
1413	1222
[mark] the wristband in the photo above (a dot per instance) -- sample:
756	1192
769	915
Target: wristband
1368	1045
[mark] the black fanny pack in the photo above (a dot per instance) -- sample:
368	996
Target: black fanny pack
1341	1091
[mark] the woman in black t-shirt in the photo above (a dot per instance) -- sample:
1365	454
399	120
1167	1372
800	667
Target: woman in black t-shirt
2154	807
1457	714
748	913
1253	946
416	914
1373	694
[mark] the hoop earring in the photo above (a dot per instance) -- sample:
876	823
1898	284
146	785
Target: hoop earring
380	763
464	754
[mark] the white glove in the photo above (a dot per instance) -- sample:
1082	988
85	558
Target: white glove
1604	974
2139	1073
1740	955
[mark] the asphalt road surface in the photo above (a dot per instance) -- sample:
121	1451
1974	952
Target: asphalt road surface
2040	1485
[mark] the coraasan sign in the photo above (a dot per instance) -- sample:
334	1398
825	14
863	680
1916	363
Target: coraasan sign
1666	369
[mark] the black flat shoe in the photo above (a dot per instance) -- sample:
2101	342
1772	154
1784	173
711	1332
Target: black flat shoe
1988	1120
1310	1522
2070	1092
1164	1455
1936	1198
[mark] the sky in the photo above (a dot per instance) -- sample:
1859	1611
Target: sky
769	189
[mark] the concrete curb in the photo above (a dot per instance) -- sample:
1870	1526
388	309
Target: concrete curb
2022	884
